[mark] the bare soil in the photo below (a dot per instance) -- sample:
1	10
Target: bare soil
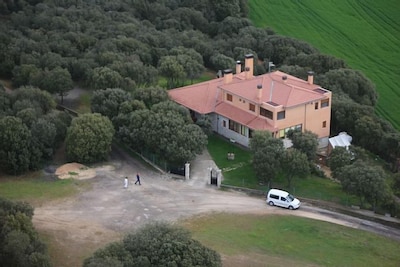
77	226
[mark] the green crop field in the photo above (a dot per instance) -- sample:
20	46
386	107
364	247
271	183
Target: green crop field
365	33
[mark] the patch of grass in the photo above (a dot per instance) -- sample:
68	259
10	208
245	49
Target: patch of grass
35	188
317	188
84	102
237	172
303	240
207	75
365	33
240	172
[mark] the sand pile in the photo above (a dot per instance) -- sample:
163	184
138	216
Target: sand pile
75	171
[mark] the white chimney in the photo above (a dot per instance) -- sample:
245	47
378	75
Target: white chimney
238	67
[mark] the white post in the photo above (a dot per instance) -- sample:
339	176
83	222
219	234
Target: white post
219	178
187	170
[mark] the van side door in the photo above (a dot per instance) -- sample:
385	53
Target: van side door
283	202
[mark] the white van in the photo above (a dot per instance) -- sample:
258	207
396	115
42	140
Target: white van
276	197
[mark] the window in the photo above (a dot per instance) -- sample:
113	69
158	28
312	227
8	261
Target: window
229	97
224	123
236	127
324	124
325	103
316	105
281	115
266	113
281	133
252	107
274	196
243	130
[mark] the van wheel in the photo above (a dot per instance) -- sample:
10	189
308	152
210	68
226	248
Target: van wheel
271	203
290	207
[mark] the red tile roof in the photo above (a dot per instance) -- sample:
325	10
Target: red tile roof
201	97
292	92
243	117
206	97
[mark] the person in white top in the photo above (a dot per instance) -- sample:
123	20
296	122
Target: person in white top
126	183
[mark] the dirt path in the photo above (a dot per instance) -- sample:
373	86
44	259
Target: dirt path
103	214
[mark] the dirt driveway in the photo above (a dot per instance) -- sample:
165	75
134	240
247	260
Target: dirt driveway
106	212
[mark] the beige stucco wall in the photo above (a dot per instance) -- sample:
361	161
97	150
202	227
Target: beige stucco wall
310	118
241	103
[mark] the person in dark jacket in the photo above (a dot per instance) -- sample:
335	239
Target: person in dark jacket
137	179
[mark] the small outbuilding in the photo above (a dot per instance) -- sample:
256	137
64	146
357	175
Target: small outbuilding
341	140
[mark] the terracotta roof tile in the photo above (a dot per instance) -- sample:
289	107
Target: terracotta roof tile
201	97
206	97
292	92
243	117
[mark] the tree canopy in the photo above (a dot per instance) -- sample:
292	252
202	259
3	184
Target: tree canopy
294	164
31	129
339	158
156	244
89	138
267	154
147	121
15	140
365	181
306	142
108	101
19	242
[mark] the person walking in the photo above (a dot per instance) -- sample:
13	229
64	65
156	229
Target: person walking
126	182
137	179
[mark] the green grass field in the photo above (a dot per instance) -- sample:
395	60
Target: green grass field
294	241
35	189
365	33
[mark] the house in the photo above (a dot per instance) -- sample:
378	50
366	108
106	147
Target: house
241	103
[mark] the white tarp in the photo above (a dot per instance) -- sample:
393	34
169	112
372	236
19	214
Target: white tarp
342	140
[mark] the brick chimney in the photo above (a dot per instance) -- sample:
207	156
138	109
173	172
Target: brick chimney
248	64
259	88
228	75
238	67
310	78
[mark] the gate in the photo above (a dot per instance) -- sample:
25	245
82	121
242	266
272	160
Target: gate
214	177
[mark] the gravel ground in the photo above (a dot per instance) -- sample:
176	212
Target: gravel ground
107	211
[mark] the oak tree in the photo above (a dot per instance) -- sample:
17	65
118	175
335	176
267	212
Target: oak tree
89	138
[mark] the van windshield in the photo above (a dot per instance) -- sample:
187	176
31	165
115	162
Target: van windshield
290	198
